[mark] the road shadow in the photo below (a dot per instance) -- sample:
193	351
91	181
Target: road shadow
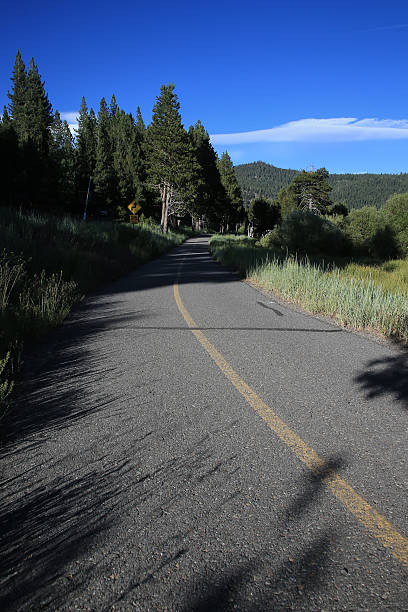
54	391
60	539
386	376
263	584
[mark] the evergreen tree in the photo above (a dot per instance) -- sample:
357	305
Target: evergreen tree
5	119
233	213
62	156
10	160
39	111
210	193
263	215
18	100
85	147
128	161
308	191
171	166
104	175
139	121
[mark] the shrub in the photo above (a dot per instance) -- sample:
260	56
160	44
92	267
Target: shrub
395	214
306	232
271	240
369	233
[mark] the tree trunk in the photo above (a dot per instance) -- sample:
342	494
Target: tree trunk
166	208
163	194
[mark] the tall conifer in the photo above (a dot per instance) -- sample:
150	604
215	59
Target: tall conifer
39	111
234	212
210	193
104	176
170	161
85	146
18	100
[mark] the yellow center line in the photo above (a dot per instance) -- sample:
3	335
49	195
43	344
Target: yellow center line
378	525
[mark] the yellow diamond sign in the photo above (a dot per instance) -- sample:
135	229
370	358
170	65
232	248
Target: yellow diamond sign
133	207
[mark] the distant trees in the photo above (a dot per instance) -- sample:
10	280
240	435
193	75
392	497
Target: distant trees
259	179
177	176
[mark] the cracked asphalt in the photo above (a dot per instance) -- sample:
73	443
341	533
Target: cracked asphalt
135	476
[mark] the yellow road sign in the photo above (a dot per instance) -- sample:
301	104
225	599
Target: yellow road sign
134	219
133	207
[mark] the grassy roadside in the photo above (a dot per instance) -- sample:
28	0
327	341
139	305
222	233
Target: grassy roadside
372	298
48	263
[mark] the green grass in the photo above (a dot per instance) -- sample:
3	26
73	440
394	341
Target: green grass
48	263
357	296
392	276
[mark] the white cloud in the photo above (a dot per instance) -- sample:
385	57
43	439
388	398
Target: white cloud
72	118
321	130
397	26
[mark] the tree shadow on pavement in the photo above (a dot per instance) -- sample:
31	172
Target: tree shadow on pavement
58	376
297	582
65	536
49	526
386	376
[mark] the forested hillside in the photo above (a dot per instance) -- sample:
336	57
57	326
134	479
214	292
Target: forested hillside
259	179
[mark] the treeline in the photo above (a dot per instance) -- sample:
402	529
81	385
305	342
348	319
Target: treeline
113	158
304	219
259	179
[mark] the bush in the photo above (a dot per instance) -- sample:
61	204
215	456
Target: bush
271	240
370	234
395	214
306	232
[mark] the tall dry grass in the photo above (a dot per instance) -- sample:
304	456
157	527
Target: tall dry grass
358	296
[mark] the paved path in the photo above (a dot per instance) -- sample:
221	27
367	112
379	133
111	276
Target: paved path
201	446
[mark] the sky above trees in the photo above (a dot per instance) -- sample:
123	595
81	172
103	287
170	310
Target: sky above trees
318	79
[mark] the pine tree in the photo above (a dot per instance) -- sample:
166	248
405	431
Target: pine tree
10	160
85	146
127	161
308	191
5	119
62	156
170	161
104	175
234	212
39	111
18	100
140	125
210	193
263	215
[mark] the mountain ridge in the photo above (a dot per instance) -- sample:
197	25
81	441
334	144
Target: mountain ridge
259	179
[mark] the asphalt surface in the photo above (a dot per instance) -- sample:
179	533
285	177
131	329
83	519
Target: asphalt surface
136	477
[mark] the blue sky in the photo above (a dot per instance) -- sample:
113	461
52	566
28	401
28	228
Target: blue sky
325	82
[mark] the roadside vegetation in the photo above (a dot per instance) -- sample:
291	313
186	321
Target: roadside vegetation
350	266
364	297
47	264
307	247
54	178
